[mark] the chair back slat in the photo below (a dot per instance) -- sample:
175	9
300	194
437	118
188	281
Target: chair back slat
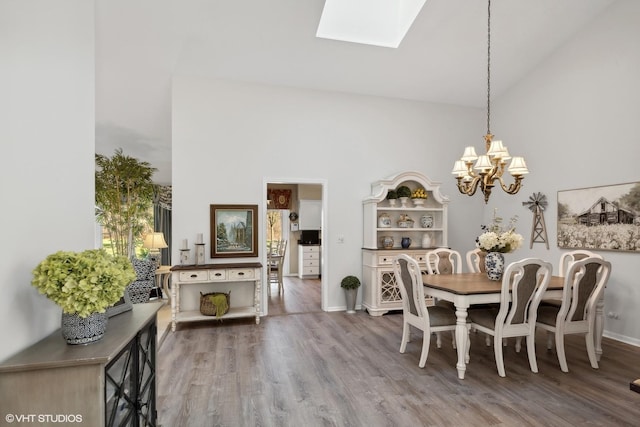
523	284
568	258
443	261
475	261
584	285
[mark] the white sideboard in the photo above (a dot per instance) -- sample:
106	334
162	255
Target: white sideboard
386	223
188	281
309	261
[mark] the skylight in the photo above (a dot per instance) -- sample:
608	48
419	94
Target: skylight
375	22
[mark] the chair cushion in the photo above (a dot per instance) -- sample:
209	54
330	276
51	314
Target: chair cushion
551	302
441	316
484	316
446	304
547	314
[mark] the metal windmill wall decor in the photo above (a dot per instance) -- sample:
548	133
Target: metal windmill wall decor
537	204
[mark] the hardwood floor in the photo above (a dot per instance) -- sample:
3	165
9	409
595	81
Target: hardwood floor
305	367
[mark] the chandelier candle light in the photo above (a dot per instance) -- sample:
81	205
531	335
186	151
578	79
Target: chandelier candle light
488	167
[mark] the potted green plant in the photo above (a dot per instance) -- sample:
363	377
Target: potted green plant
350	284
404	193
124	197
392	196
84	284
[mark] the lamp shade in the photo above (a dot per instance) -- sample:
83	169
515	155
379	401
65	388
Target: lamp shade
459	168
154	241
518	166
483	163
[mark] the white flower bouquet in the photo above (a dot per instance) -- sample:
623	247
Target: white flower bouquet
498	238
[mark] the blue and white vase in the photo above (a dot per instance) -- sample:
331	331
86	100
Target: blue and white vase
494	265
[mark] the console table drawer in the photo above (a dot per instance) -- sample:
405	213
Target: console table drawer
194	276
217	275
244	273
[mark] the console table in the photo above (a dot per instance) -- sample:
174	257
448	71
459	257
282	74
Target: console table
110	382
188	281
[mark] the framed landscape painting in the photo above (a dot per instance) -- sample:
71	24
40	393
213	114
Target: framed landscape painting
600	218
234	231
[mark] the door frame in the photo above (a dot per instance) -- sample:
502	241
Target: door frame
324	300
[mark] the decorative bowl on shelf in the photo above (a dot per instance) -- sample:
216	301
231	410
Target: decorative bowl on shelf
418	202
384	221
426	221
386	242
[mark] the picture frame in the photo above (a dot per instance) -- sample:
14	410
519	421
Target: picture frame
121	306
600	218
234	231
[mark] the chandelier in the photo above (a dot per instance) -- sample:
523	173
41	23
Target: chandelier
488	167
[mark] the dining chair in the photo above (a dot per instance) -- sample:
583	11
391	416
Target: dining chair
444	261
275	263
415	311
475	261
566	259
569	257
523	284
583	286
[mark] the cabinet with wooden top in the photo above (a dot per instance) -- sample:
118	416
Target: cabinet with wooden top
242	280
110	382
411	226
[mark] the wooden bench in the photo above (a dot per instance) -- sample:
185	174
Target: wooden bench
635	385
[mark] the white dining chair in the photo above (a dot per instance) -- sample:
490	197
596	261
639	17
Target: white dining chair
275	263
415	311
475	261
584	285
566	259
523	284
569	257
444	261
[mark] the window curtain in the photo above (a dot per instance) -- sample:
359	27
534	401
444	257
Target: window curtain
162	219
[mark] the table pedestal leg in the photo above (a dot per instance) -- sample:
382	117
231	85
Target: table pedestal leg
462	340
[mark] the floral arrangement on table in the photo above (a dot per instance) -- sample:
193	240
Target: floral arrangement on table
83	282
499	238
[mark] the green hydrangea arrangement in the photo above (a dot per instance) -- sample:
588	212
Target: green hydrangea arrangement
83	282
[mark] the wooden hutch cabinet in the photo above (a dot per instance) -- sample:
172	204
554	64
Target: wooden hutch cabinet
385	226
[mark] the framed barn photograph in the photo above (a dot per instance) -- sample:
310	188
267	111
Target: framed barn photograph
234	231
600	218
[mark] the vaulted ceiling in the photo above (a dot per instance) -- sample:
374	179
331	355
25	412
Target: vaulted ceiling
141	44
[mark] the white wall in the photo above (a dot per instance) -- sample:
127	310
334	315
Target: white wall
47	133
575	119
228	136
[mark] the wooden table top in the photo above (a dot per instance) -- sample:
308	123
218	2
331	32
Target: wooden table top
474	283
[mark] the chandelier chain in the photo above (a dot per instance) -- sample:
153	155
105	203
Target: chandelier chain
489	68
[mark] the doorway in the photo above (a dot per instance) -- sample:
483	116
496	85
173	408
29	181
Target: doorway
281	222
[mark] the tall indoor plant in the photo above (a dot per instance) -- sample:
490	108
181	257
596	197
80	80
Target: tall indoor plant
124	197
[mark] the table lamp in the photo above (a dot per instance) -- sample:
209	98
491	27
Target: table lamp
154	242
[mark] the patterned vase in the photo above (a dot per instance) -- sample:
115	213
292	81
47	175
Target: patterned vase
78	330
494	264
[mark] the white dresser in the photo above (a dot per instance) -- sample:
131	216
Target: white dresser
309	261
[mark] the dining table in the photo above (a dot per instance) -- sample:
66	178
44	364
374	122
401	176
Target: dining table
467	289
